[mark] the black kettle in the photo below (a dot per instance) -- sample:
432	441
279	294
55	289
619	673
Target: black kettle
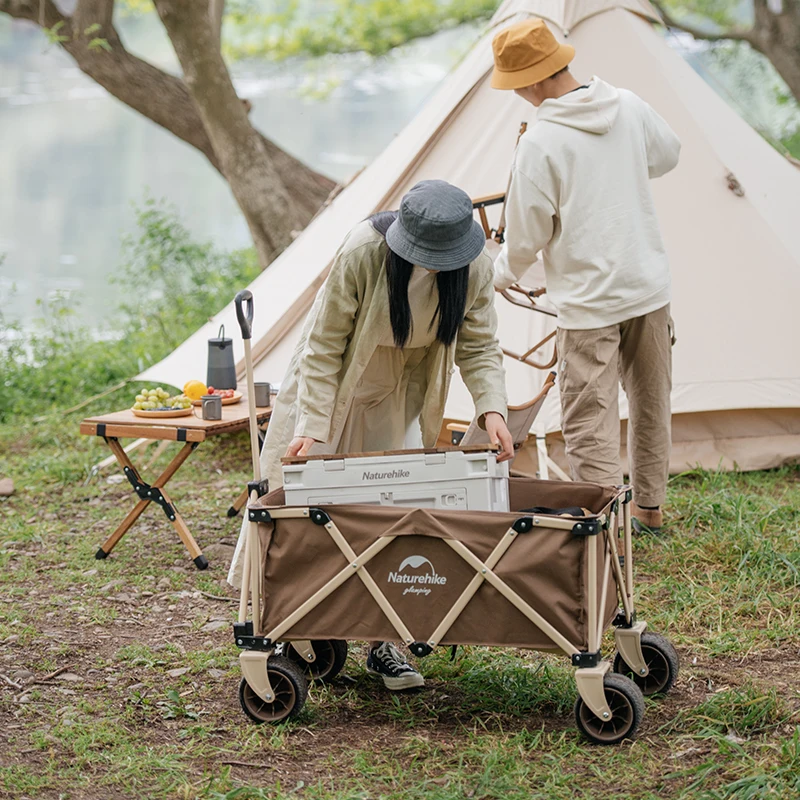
221	368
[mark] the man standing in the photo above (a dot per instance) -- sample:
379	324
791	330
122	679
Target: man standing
580	194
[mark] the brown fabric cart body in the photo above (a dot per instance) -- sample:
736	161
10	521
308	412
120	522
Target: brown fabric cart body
422	577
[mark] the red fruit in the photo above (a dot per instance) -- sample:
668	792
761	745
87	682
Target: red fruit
211	390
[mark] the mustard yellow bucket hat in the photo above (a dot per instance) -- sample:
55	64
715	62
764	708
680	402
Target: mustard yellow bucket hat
527	53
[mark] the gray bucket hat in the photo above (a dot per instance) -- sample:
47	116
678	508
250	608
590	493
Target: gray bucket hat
435	227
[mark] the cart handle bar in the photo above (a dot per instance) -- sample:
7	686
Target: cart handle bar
244	312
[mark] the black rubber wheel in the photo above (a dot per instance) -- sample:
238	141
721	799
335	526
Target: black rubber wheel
662	661
290	687
626	702
330	657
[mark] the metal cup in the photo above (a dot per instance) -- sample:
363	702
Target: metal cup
262	393
212	406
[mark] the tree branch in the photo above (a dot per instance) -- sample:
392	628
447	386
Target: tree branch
216	10
729	34
257	169
155	94
43	12
261	192
93	12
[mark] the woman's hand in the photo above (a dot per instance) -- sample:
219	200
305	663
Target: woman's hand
299	446
499	434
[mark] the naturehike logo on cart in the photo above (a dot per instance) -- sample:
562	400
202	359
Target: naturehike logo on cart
385	476
421	575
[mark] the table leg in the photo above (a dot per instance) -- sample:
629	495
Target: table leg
153	493
109	544
238	504
200	561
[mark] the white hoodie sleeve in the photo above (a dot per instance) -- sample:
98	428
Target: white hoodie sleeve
663	145
529	227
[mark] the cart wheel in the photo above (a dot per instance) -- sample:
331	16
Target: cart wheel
626	702
330	657
662	661
290	687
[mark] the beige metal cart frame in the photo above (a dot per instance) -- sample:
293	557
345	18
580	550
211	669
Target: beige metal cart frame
609	706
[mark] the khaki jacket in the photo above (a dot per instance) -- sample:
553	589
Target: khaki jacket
344	327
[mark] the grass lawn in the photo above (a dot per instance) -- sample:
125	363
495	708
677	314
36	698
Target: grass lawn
119	679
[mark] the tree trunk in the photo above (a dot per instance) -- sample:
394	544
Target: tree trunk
244	161
167	101
777	36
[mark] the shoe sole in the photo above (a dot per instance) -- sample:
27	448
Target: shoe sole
412	680
641	528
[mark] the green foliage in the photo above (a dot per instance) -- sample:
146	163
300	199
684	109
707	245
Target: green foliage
172	285
792	143
133	8
175	707
98	43
176	283
53	34
371	26
749	709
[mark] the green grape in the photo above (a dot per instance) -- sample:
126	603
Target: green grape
138	406
140	398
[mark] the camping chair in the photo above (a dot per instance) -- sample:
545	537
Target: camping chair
516	295
520	419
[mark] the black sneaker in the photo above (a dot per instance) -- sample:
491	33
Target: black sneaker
388	662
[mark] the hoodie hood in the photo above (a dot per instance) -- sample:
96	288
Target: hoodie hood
593	109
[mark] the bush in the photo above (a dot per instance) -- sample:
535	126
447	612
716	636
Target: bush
59	363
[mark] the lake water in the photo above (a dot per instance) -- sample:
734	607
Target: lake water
74	161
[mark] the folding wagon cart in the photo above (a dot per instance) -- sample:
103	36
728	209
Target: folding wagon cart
551	574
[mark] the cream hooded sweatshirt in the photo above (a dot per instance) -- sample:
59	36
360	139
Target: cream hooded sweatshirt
580	194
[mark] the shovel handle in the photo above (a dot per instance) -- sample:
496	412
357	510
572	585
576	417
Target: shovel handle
244	312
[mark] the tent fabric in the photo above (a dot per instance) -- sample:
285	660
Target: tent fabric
735	258
567	14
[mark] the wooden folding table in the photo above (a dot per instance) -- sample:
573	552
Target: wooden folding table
191	430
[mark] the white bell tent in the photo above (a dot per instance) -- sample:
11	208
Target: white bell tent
729	215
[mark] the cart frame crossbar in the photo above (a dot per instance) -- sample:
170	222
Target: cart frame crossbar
589	676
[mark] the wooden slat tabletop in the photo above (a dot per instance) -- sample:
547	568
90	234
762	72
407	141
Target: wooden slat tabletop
125	424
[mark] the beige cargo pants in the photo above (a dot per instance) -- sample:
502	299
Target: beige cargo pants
637	352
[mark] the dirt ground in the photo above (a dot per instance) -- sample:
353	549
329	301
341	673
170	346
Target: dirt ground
119	678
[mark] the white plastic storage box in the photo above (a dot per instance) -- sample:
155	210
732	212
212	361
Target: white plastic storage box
451	479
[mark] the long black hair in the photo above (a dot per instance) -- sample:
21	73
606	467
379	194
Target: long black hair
452	286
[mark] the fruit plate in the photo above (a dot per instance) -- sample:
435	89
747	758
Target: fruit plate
226	401
173	412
